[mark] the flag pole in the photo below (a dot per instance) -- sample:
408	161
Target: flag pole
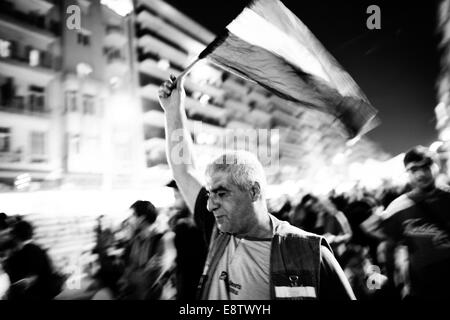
188	69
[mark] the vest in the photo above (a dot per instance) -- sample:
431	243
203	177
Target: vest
294	262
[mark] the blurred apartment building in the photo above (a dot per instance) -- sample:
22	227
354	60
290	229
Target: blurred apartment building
68	111
307	141
79	107
79	113
30	70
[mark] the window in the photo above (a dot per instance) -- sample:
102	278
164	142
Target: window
34	56
5	48
71	101
84	38
74	144
38	146
88	104
5	139
37	99
112	54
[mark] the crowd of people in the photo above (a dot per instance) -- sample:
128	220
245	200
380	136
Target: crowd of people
221	240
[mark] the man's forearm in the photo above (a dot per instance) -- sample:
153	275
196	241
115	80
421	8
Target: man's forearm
178	141
179	145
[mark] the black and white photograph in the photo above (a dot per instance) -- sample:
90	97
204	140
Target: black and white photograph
227	151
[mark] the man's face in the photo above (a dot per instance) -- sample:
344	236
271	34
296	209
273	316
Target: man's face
230	205
421	176
135	222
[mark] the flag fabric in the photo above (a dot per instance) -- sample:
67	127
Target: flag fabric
266	43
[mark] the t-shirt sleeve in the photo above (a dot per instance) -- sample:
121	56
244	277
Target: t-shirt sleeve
390	223
203	218
333	282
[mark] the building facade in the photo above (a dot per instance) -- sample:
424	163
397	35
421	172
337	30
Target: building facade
303	141
68	111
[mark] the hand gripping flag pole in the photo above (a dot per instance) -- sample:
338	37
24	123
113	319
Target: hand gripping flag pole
267	44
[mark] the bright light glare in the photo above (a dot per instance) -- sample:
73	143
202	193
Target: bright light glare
435	146
202	73
163	64
338	159
204	99
121	7
445	134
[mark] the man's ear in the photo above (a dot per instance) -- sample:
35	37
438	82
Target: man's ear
255	191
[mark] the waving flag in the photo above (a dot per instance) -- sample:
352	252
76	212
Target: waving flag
268	44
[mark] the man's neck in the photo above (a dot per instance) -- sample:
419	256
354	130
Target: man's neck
419	193
261	227
427	189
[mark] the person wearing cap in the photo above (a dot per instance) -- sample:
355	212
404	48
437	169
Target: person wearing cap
420	220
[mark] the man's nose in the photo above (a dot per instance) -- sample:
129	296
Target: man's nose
420	173
212	203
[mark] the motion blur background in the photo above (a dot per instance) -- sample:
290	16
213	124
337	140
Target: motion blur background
82	132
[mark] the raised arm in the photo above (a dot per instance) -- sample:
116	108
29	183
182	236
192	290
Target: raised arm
179	145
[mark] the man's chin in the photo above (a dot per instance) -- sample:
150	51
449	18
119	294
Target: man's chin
222	227
426	186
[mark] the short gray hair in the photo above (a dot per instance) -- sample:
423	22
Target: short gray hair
243	168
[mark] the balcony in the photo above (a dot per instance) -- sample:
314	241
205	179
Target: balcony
27	23
116	66
19	65
163	50
40	6
166	30
18	105
11	157
115	36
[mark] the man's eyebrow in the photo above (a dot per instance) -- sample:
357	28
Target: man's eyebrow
219	188
413	167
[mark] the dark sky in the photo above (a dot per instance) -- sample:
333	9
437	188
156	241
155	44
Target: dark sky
396	66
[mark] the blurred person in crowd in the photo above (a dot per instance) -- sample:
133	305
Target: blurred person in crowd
5	235
149	258
357	212
110	268
341	201
5	245
190	245
252	254
29	267
392	261
4	282
321	217
283	212
419	220
3	221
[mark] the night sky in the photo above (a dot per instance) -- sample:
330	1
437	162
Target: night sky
396	66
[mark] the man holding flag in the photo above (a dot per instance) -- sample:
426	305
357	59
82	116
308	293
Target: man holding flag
252	255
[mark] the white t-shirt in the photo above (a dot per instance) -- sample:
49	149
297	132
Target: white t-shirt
243	272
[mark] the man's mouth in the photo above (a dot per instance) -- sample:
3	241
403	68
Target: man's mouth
219	217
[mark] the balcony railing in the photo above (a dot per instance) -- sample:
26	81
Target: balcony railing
46	60
10	157
18	105
114	29
32	21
